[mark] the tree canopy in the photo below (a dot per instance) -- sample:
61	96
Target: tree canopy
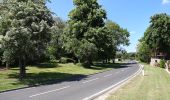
118	36
158	33
143	51
26	31
30	33
85	29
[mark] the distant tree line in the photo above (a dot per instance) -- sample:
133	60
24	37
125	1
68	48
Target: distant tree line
30	34
124	55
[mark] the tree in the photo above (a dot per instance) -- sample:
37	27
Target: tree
27	31
143	51
84	30
55	47
118	36
158	33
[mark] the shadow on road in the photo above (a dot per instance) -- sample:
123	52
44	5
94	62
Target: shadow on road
114	66
47	78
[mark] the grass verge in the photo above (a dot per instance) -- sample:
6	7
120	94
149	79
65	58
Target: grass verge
155	85
48	73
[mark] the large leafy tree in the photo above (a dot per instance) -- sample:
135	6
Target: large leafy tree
158	33
26	31
85	30
118	36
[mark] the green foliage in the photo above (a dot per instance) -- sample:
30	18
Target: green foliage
117	37
125	55
1	51
132	55
84	30
30	33
27	30
55	47
65	60
143	52
120	36
86	50
162	63
157	35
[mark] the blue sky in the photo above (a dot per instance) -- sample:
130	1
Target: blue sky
131	14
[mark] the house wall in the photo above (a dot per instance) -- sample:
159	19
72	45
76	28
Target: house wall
154	60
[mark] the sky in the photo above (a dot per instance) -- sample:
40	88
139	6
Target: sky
133	15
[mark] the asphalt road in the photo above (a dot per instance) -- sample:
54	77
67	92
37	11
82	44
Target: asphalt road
74	90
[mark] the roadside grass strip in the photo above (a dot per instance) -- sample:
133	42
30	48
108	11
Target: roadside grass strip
155	85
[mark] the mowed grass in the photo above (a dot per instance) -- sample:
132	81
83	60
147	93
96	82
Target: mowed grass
155	85
48	73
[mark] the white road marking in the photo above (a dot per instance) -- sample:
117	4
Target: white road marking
49	91
91	80
114	85
108	75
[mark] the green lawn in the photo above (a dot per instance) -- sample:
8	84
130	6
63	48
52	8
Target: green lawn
154	86
47	73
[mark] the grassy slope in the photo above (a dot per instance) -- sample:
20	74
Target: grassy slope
46	72
154	86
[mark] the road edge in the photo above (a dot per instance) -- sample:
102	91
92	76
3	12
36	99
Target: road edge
102	95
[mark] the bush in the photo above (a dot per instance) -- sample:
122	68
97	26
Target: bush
66	60
162	63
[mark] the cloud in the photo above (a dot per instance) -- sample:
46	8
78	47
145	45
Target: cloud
165	1
132	32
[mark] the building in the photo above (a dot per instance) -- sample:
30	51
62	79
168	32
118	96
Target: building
157	58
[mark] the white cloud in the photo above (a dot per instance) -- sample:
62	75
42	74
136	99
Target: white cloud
165	1
132	32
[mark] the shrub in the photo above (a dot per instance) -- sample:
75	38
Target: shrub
66	60
162	63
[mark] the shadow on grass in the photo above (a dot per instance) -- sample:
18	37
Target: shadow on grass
47	65
46	78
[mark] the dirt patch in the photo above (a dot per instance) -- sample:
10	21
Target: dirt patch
2	69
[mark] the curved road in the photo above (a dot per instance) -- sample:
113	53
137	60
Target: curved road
74	90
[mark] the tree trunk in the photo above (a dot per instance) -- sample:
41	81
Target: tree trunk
76	60
113	61
88	62
22	68
7	65
106	61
